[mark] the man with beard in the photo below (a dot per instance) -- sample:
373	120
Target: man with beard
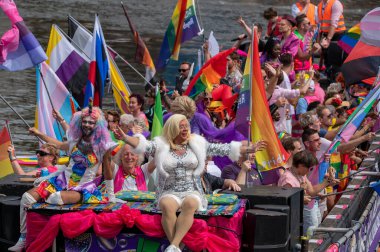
89	144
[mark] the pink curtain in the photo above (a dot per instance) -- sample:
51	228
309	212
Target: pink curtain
42	230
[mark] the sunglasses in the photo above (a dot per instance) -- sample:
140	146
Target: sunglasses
88	122
182	70
208	99
42	153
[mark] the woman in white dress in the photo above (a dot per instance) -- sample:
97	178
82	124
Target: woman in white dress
180	159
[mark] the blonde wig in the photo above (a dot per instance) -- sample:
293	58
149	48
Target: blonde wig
171	130
183	105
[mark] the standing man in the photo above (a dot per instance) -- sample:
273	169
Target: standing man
184	70
307	8
332	28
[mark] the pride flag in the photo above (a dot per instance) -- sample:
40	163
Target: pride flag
183	26
210	74
365	56
63	102
19	49
81	38
158	121
99	67
142	54
69	64
5	164
349	40
253	94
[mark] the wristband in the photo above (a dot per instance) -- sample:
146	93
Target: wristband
11	157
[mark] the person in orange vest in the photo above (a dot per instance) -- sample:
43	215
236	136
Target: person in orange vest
307	8
332	28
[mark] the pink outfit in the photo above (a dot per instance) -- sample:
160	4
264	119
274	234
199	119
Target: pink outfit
140	179
288	178
319	92
290	44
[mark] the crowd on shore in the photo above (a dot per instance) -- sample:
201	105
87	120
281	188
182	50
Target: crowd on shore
199	150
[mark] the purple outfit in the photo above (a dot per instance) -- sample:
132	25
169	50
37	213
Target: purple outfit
232	171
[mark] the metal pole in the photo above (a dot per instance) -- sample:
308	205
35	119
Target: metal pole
9	105
9	131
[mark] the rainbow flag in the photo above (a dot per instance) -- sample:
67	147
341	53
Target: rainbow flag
261	127
158	121
349	40
32	160
99	67
81	38
19	49
210	74
182	27
61	100
142	54
5	164
365	56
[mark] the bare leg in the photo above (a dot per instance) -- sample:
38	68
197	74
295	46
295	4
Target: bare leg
169	207
185	219
71	197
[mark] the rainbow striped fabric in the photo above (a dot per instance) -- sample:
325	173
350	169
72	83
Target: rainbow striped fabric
19	48
349	40
5	164
183	26
210	74
253	94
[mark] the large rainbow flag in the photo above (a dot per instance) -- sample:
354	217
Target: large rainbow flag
81	39
142	54
183	26
210	74
19	48
5	164
253	95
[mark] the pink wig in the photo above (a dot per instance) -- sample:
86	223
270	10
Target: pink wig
100	138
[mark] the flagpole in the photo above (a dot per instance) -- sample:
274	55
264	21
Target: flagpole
250	99
9	131
9	105
109	48
48	93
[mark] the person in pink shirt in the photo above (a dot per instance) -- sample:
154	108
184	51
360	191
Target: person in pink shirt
289	41
47	157
136	104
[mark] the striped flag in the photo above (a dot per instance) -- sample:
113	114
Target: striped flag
183	26
19	49
99	67
142	54
261	127
210	74
63	102
365	56
82	38
157	116
350	39
69	64
5	164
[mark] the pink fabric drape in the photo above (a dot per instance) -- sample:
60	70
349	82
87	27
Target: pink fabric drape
43	229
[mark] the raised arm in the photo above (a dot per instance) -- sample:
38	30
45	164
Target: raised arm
60	145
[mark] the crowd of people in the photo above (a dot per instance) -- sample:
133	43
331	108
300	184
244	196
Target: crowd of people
199	150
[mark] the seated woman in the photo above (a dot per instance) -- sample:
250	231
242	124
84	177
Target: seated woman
89	144
47	156
180	160
296	176
129	175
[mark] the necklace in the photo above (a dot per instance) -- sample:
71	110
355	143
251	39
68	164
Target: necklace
180	147
298	177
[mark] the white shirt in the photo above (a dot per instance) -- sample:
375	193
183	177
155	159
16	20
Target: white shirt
213	169
130	183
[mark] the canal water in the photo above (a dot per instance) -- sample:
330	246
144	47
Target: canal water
151	19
